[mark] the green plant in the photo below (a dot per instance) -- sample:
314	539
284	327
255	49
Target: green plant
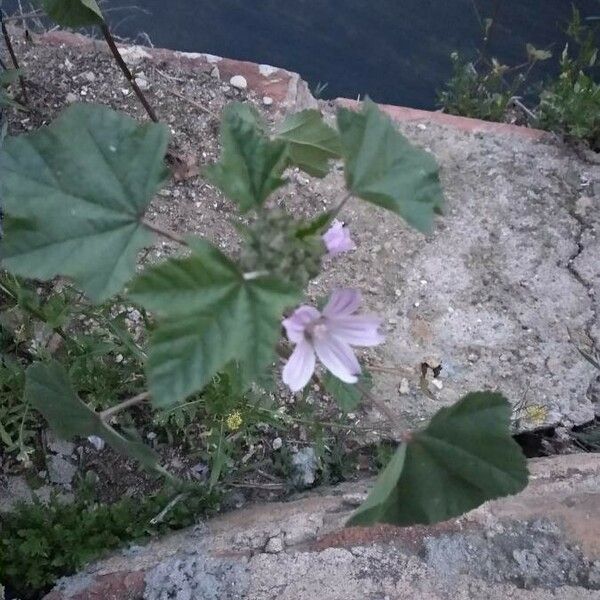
571	104
212	313
478	90
41	542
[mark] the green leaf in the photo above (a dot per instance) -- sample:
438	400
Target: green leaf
251	164
316	225
210	315
312	143
49	390
383	167
74	13
463	458
347	395
75	195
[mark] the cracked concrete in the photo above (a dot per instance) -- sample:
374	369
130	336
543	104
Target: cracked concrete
493	293
541	544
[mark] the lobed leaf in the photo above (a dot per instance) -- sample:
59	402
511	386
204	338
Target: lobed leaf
209	315
74	13
251	165
312	143
75	194
49	390
464	457
383	167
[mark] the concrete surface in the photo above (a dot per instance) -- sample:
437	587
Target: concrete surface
541	544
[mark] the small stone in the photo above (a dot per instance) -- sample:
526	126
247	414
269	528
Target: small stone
89	76
142	82
59	446
404	387
239	82
119	358
97	442
437	383
125	91
61	471
274	545
151	435
215	72
267	100
71	97
277	443
422	126
304	468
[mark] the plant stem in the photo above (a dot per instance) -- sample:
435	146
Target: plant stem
113	410
171	235
338	208
13	56
126	71
381	406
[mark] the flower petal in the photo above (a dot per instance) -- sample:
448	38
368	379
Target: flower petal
357	330
339	358
337	239
296	323
299	367
342	303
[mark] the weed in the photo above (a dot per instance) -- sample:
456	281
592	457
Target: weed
40	543
571	104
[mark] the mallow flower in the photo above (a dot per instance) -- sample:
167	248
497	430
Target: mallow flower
337	238
329	335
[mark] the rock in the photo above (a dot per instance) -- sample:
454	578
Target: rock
215	72
277	443
543	544
97	442
239	82
274	545
304	468
267	100
71	97
58	445
142	82
60	470
89	76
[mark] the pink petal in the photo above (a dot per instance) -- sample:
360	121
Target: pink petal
296	324
338	357
342	303
357	330
337	239
300	366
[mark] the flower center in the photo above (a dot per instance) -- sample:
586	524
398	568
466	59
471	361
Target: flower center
317	330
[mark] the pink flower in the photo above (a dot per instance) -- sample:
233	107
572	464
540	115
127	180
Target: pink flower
337	239
329	335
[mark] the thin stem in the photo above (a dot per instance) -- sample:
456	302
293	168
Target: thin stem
381	406
128	74
13	56
338	208
113	410
171	235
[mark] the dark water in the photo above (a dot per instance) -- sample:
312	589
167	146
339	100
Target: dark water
397	51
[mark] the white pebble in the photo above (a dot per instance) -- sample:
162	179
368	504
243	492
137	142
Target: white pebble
97	442
277	443
404	387
239	82
267	100
437	383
